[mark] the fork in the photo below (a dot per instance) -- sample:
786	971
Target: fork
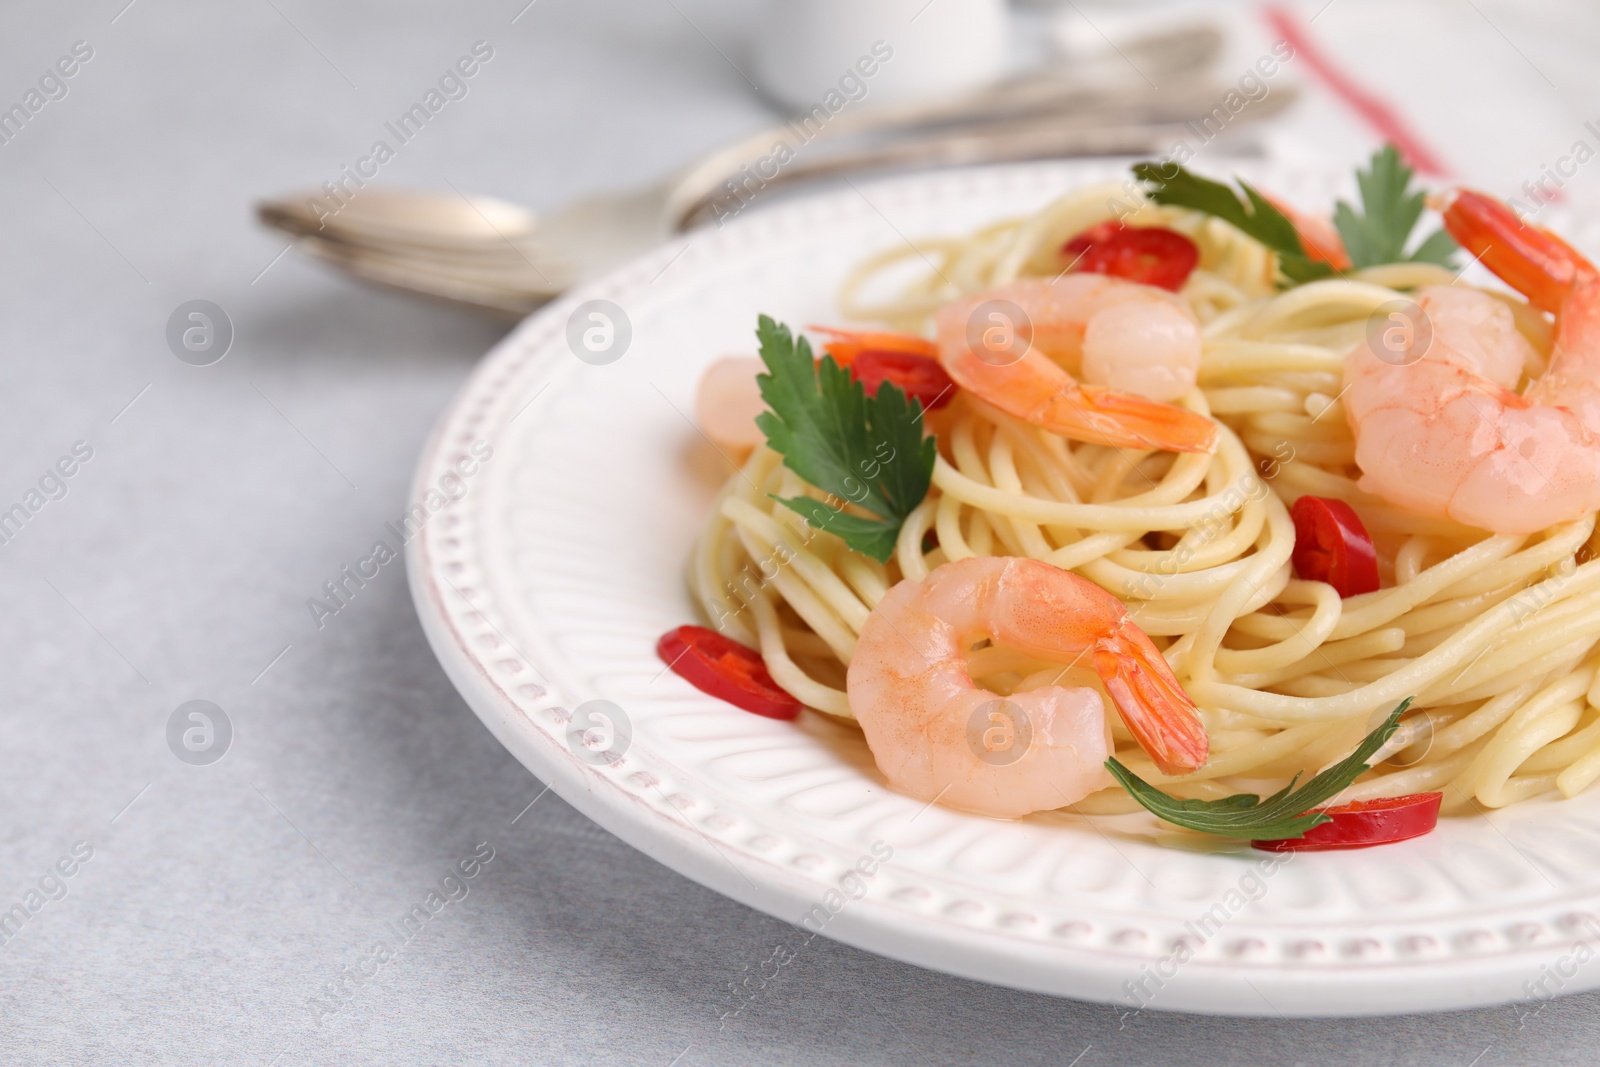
494	256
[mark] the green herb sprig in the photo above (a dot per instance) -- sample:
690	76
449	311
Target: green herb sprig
1255	215
869	451
1373	236
1389	212
1287	813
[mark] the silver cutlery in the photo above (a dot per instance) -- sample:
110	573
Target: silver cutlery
494	256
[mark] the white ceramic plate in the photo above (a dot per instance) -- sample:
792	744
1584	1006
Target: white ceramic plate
546	585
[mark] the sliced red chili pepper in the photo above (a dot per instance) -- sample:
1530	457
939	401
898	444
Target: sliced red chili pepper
1331	545
723	668
1096	234
919	377
845	346
1150	255
1365	823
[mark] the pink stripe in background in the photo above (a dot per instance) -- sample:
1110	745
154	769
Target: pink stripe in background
1373	110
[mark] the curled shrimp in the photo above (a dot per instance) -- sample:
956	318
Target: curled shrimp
1439	427
937	736
1018	346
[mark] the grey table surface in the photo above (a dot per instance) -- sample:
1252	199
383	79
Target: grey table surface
226	912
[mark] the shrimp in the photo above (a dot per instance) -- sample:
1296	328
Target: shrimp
1317	234
845	345
727	402
1439	427
937	736
1125	337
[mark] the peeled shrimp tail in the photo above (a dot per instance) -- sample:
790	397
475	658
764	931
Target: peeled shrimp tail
1530	259
1317	235
1153	705
845	345
1123	420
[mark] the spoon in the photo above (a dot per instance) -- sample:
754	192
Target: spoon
492	255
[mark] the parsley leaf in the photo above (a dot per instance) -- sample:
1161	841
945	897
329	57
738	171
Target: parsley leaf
1287	813
1389	213
1255	215
869	451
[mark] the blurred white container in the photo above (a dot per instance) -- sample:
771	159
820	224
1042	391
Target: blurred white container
924	48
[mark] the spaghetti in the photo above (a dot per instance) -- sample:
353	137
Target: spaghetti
1497	636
